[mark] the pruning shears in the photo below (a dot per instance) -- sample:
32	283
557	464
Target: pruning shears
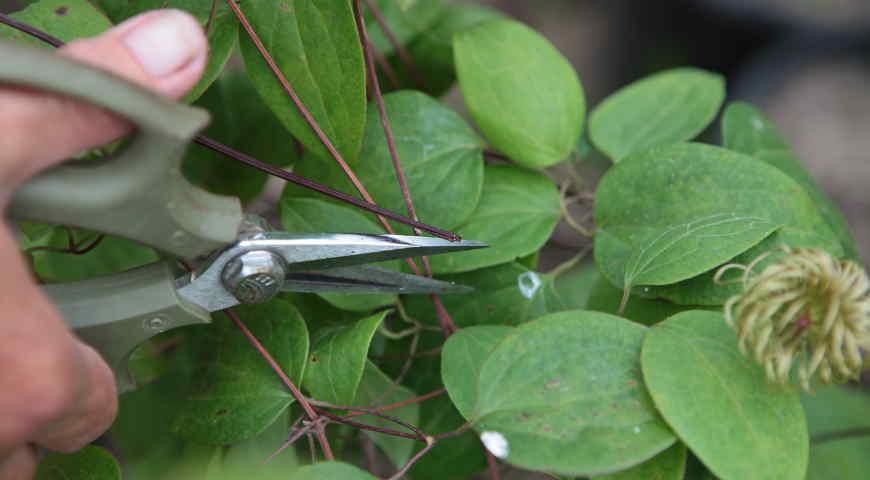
139	193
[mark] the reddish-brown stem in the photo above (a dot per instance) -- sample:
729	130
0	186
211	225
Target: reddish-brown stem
430	442
455	433
371	428
262	166
306	183
403	54
447	325
388	70
303	402
492	465
358	411
309	119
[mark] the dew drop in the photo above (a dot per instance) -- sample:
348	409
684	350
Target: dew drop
496	444
529	283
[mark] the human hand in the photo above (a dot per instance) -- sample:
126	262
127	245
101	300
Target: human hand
55	391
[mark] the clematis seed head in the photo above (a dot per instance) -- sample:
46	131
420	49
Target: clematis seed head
808	311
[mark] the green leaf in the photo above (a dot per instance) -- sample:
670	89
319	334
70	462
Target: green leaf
606	298
241	121
337	361
668	465
247	460
719	403
315	45
330	471
375	389
746	129
455	459
832	410
672	213
440	154
222	30
66	20
501	296
406	19
518	211
521	92
665	108
111	255
461	358
317	215
89	463
234	395
432	50
565	393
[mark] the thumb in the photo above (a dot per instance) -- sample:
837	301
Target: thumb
164	51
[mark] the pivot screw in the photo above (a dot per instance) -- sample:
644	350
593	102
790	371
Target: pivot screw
254	277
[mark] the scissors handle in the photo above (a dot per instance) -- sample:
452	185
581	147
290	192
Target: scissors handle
116	313
137	192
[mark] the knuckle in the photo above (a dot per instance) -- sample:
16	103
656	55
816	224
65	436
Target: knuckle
51	385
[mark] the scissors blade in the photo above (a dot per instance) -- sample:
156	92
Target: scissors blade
334	250
367	279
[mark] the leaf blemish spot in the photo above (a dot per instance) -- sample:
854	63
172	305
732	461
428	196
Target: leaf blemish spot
554	383
61	10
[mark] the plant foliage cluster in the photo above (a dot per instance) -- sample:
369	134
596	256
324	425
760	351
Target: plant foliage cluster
621	368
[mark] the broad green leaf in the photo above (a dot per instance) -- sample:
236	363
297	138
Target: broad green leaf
521	92
247	460
606	298
337	361
746	129
668	465
111	255
665	108
234	395
89	463
316	47
719	403
406	19
461	359
501	296
316	215
455	459
222	30
377	389
565	394
66	20
432	50
440	154
831	410
672	213
566	288
518	211
330	471
241	121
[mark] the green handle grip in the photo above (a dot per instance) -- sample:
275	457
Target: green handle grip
138	192
116	313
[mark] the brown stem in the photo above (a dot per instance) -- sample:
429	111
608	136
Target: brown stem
211	15
455	433
303	402
446	322
403	54
32	31
309	119
430	442
840	435
492	465
358	411
388	70
371	428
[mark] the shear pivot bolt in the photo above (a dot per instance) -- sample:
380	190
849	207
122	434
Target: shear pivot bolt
254	277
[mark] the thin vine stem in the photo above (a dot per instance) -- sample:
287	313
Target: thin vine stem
566	214
492	465
403	54
30	30
840	435
447	324
371	428
303	402
430	443
309	118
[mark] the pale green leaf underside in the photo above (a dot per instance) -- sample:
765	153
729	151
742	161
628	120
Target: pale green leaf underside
330	471
89	463
719	403
668	465
461	358
668	107
566	393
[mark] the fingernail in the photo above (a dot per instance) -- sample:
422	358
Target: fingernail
165	43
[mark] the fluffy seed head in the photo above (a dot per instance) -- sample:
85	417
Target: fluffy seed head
806	310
